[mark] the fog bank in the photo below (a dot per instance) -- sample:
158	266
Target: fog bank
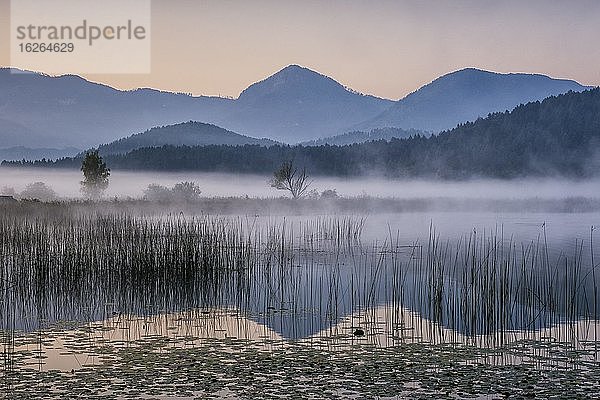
132	184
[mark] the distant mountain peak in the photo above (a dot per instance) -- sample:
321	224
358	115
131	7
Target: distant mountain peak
472	70
294	104
191	133
295	71
465	95
293	80
295	68
296	74
469	72
297	103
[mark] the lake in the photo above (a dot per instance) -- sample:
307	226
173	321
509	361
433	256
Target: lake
100	300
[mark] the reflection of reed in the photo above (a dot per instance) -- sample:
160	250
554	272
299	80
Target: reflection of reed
312	280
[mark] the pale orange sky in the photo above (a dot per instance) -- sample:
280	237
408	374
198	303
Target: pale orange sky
385	48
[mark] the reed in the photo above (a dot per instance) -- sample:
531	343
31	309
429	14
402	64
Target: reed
299	277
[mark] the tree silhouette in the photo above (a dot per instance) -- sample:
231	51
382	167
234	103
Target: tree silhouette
287	177
95	175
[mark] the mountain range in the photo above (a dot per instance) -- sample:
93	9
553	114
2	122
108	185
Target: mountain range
294	105
26	153
559	136
38	110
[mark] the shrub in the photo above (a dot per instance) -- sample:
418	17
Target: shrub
38	191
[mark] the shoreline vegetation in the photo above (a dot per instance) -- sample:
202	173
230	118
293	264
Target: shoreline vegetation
304	206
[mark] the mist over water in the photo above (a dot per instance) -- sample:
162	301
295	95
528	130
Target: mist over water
563	232
448	213
132	184
561	228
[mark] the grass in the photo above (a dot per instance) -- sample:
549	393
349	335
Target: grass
306	206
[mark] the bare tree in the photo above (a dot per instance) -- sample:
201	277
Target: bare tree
287	177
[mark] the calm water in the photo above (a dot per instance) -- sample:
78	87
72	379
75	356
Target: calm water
466	293
561	229
320	282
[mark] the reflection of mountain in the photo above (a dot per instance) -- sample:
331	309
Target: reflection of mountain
185	329
296	288
438	288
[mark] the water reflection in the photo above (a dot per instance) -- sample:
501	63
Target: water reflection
69	348
301	279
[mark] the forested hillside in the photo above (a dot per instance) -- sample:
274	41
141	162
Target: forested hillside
184	134
361	137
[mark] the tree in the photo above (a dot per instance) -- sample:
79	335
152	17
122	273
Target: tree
287	177
95	175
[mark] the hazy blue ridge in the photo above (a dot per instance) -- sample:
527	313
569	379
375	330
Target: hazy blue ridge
184	134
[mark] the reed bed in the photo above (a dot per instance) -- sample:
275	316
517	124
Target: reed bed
65	267
299	278
70	268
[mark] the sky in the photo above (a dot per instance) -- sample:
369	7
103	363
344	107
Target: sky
380	47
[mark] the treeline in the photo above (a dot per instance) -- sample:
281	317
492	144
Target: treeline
558	136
